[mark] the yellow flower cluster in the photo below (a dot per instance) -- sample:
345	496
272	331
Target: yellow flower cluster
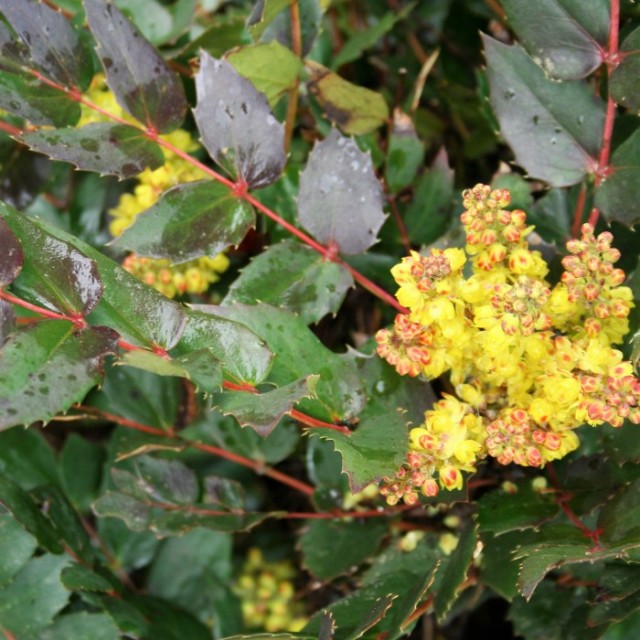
194	276
267	595
529	363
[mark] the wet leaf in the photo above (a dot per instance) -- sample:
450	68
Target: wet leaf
622	83
11	255
617	196
39	104
236	124
47	366
555	129
340	200
189	221
136	73
295	277
55	274
263	411
354	109
54	46
271	68
245	356
567	38
103	147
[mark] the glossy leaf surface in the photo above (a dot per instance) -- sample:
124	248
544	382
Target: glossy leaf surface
295	277
105	148
138	75
340	200
11	254
236	124
189	221
624	88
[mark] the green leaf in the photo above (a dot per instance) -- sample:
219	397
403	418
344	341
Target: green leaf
55	274
103	147
236	124
136	73
263	411
340	199
54	46
430	211
455	571
356	110
80	578
617	196
622	444
295	277
622	85
271	68
263	14
7	321
125	615
11	254
244	355
36	102
82	626
189	221
16	547
219	37
554	129
614	610
32	599
405	153
81	467
46	367
299	353
620	518
363	39
552	215
333	547
567	38
500	512
279	29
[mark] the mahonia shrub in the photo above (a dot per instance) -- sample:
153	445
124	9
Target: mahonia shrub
529	363
217	421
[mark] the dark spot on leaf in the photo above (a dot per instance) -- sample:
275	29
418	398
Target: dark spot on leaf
244	108
337	115
536	119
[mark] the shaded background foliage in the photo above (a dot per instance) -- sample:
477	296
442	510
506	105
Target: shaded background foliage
131	514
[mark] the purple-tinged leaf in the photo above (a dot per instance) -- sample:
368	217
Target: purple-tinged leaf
554	128
11	255
136	311
47	366
623	84
236	124
189	221
54	46
340	200
619	194
55	274
28	98
295	277
102	147
14	55
263	411
567	38
136	73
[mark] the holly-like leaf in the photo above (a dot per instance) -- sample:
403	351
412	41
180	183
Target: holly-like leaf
554	128
11	254
189	221
244	355
136	73
340	200
405	153
299	353
236	124
567	38
333	547
271	68
27	97
55	274
295	277
263	411
624	90
47	366
620	518
263	14
54	47
103	147
356	110
617	196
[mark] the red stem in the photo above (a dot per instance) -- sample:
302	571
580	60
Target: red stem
76	320
577	216
9	128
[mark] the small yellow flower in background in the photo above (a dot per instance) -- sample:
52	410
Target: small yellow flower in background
194	276
268	596
530	363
